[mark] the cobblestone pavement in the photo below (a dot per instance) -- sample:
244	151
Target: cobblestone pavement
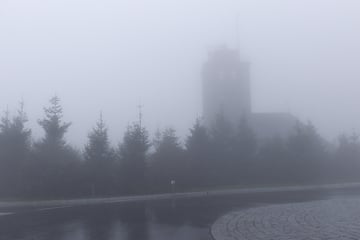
337	219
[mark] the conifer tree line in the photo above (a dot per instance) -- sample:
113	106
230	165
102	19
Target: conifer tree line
208	158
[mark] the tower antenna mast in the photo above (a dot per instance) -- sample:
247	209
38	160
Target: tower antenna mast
140	115
237	32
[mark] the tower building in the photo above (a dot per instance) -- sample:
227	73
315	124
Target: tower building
226	86
227	91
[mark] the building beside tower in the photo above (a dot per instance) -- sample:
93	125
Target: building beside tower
227	90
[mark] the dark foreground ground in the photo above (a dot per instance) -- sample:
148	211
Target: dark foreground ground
181	219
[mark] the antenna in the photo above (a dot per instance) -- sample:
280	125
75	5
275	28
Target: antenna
21	111
101	118
6	118
237	32
140	114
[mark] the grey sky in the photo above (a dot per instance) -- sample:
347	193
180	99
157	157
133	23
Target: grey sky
111	55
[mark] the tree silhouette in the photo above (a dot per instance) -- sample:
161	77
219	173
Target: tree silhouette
213	156
133	157
53	125
56	163
168	162
99	159
14	151
199	153
307	152
222	134
347	158
244	150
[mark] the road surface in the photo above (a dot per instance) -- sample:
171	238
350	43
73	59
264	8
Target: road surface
161	217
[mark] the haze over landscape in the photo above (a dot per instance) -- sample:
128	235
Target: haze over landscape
179	119
111	56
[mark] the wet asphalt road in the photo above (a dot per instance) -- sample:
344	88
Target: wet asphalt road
188	219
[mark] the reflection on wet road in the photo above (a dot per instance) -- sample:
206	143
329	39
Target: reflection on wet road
180	219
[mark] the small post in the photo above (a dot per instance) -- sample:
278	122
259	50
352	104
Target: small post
93	190
172	182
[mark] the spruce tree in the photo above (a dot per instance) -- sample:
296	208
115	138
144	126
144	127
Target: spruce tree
14	151
307	152
133	157
222	137
200	155
53	125
56	161
243	153
168	161
99	159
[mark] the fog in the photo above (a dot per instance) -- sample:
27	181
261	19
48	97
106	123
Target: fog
111	56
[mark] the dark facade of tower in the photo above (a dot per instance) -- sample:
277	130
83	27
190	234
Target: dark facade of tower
226	86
